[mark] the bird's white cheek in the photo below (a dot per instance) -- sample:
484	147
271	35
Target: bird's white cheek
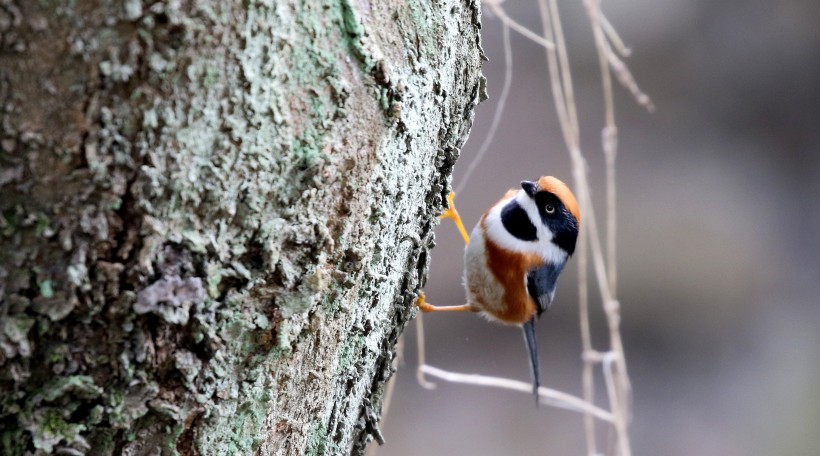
500	236
543	247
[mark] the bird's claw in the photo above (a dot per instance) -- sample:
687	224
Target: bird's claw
421	303
450	212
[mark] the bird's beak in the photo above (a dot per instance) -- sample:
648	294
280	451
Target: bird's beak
530	187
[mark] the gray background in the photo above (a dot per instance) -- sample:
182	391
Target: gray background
718	240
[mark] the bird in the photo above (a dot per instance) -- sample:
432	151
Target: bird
514	256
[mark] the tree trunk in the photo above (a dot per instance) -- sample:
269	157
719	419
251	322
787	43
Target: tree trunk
216	216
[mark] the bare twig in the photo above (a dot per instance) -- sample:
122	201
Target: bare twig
420	350
609	135
587	377
550	396
610	151
495	7
613	36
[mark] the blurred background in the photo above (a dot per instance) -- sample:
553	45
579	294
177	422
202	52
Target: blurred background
718	240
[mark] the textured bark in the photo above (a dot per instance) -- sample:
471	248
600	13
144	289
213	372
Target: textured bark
215	216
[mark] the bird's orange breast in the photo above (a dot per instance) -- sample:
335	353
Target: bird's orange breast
510	269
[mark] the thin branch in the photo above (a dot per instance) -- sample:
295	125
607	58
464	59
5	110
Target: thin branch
553	397
566	76
627	80
587	378
615	403
555	78
609	139
496	8
609	136
613	36
421	351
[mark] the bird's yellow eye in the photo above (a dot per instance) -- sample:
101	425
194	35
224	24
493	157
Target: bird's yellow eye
550	209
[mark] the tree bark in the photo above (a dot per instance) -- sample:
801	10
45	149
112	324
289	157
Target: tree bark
215	216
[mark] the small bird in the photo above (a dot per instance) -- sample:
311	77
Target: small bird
519	248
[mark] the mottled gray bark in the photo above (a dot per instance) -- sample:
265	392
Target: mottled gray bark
214	216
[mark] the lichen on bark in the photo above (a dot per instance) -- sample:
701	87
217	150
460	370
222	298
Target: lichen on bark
215	216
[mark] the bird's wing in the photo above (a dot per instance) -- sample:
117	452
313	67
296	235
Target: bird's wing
541	284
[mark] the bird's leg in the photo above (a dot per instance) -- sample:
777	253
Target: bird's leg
424	306
452	213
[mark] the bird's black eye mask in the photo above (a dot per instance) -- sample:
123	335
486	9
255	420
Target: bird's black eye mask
556	217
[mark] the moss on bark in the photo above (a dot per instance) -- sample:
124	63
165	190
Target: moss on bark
215	216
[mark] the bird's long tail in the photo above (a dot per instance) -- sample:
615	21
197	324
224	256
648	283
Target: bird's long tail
532	349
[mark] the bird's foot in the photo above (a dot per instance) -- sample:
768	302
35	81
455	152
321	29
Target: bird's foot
452	213
424	306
